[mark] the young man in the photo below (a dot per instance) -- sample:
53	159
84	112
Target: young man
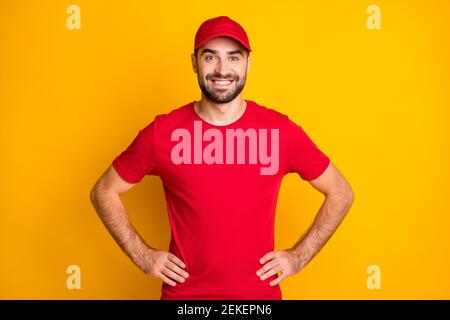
221	161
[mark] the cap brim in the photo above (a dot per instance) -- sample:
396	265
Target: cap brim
221	35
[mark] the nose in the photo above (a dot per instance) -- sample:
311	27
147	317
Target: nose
221	66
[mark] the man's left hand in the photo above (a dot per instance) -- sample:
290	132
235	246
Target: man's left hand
284	261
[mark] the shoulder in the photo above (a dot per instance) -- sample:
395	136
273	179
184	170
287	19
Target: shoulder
172	118
270	114
175	114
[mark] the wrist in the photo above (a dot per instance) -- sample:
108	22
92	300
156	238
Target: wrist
138	252
302	254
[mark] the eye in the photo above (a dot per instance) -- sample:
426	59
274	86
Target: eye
234	58
209	57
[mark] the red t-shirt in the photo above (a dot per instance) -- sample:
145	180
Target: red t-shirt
221	187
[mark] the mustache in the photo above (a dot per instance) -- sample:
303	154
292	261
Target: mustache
219	76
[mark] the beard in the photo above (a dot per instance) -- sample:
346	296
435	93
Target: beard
221	96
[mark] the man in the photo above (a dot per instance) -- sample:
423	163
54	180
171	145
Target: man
221	161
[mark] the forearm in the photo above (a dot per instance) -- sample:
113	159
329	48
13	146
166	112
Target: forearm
330	215
111	211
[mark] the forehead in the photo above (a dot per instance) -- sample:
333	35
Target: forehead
223	44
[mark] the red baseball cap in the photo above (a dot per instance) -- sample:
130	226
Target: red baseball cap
221	26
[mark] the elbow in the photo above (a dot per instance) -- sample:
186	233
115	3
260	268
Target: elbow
343	197
346	194
93	195
348	197
96	193
99	192
351	199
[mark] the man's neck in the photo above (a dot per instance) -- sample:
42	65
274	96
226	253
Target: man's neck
220	114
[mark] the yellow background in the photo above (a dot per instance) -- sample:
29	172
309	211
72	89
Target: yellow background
376	101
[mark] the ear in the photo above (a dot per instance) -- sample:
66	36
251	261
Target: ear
194	62
249	60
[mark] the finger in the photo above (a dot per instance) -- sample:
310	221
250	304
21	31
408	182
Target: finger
166	280
172	275
271	272
172	266
268	256
176	260
278	280
269	265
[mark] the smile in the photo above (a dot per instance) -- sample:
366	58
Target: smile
221	83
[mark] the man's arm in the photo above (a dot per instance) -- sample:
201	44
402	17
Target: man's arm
338	200
105	196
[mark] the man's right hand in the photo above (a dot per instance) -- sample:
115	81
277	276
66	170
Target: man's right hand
163	265
105	196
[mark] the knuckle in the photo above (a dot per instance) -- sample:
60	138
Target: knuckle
173	258
179	271
167	280
151	270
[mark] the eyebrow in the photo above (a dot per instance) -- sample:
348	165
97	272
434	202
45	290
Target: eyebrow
228	52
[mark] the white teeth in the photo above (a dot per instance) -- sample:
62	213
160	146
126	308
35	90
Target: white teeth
222	82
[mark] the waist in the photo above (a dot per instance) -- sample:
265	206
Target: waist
218	291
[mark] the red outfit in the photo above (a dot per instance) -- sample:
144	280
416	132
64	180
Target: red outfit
221	213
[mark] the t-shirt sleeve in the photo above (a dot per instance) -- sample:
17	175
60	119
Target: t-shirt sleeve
303	155
139	158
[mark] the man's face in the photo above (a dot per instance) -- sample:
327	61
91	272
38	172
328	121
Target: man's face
221	65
